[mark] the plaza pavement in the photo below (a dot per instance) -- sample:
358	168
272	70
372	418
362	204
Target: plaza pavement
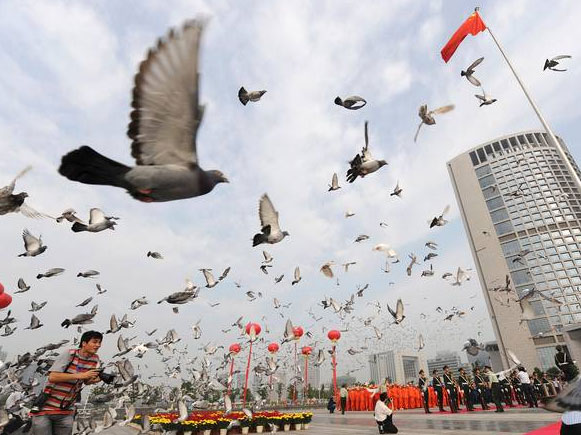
513	421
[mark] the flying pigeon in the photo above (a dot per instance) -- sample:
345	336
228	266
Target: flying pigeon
361	238
270	229
164	122
439	221
363	164
267	257
51	272
69	215
334	183
383	247
85	302
428	272
81	319
10	203
297	276
346	265
88	274
485	99
155	255
264	268
469	73
32	245
552	63
349	214
353	102
432	245
427	116
421	342
22	287
34	323
244	96
210	281
37	307
396	191
326	269
97	222
398	313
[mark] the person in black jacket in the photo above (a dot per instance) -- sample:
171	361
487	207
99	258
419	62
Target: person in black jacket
438	388
450	385
464	383
423	386
482	387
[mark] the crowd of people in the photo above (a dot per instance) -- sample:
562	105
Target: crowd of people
507	388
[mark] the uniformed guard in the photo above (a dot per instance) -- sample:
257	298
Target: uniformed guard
481	386
438	388
450	385
464	383
423	386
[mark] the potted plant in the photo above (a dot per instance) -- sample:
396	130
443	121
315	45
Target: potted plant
258	423
285	421
222	424
245	424
307	416
206	426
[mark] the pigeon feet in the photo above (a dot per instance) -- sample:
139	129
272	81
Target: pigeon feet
144	191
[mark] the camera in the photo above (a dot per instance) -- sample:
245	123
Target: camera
39	402
108	378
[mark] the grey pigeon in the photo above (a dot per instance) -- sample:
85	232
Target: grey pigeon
270	232
85	302
22	287
32	245
396	191
51	272
81	319
155	255
469	73
34	323
244	96
552	63
88	274
353	102
297	276
209	277
439	221
363	164
10	203
427	116
97	222
398	313
179	297
164	122
37	306
139	302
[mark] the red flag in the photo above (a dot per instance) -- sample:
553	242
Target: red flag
472	25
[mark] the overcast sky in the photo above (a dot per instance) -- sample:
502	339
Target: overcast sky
66	80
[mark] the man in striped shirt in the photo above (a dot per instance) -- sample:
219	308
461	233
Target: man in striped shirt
69	372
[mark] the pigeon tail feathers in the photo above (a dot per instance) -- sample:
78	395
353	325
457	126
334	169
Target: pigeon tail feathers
338	101
78	227
87	166
243	96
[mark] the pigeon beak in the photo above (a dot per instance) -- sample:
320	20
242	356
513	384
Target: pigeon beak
225	180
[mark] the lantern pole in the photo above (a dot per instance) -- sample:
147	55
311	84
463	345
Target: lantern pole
230	377
306	378
246	378
296	371
334	372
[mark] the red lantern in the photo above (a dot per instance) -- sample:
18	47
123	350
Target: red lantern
234	348
273	347
306	350
5	300
334	335
1	288
298	332
253	326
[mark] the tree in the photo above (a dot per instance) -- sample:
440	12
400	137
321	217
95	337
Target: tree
538	371
279	388
553	372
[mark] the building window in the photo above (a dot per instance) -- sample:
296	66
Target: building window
537	326
486	181
474	159
521	277
481	155
483	170
503	228
495	203
546	357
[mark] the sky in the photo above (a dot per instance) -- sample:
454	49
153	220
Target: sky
66	80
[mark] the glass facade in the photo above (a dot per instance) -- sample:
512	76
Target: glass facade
535	206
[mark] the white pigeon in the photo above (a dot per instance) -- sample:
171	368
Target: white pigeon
210	281
485	99
334	183
427	116
164	123
97	222
385	248
297	276
398	313
270	229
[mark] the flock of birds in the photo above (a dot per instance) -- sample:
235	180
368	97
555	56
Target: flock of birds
165	116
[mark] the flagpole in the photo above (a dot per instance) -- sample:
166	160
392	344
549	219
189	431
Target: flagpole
546	126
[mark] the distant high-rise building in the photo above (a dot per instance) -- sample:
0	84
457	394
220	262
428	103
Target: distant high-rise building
399	367
521	209
314	378
450	359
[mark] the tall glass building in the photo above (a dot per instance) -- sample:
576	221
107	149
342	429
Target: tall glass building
521	209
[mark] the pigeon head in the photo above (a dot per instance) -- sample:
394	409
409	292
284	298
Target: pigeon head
285	233
217	176
111	224
382	163
262	92
20	197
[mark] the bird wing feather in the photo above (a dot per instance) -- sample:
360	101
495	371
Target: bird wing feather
31	243
7	190
166	111
268	215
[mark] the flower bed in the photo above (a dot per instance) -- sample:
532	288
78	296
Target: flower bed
200	421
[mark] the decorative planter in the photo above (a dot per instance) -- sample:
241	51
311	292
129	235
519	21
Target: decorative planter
259	429
223	431
298	426
245	429
286	427
207	431
306	426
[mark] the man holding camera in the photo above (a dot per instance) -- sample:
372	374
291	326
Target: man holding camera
53	410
